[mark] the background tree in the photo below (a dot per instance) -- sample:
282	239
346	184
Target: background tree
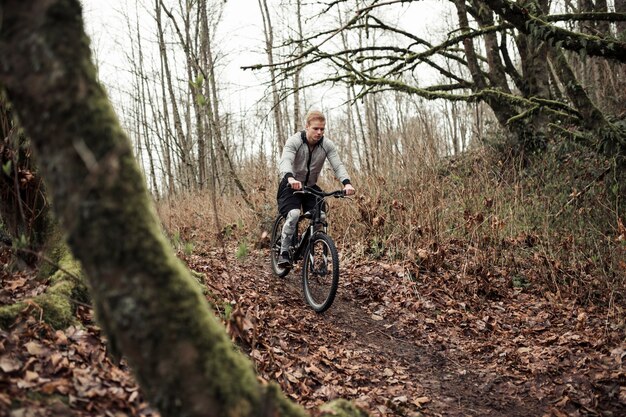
502	50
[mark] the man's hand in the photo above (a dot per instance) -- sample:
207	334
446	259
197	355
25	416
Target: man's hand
349	189
294	183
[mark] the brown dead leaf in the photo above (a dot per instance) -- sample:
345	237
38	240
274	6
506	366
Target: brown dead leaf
55	358
18	283
557	413
400	400
9	364
31	376
35	348
420	401
291	378
563	401
60	338
62	386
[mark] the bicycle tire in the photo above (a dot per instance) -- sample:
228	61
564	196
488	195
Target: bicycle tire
319	281
277	230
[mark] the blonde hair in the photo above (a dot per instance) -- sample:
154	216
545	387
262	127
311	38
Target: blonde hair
314	115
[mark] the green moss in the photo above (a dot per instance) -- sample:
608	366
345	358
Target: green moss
9	313
341	408
54	307
55	250
55	303
277	404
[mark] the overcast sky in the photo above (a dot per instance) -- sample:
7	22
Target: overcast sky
239	37
240	29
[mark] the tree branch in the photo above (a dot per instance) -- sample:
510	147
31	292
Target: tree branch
526	23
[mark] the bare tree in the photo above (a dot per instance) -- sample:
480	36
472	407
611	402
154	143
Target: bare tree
269	49
183	143
513	78
297	111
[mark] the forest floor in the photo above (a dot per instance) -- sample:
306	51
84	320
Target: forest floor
397	341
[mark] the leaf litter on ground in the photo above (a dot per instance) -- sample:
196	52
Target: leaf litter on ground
399	340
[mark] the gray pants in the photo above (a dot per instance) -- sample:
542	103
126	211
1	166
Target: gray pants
289	228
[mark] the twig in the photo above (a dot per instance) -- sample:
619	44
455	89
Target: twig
43	258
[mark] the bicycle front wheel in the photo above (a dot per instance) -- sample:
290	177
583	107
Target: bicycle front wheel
277	231
320	272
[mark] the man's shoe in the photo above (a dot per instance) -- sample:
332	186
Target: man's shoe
284	261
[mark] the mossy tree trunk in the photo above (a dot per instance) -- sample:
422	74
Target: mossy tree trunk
150	308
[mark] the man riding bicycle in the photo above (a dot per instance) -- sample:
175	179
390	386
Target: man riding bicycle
301	162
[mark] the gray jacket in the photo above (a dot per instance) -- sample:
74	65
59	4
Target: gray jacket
305	166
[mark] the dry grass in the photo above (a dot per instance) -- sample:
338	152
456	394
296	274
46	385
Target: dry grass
550	227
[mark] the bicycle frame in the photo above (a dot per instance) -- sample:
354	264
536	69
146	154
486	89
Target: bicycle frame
315	218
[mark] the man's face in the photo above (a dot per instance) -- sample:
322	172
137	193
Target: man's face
314	131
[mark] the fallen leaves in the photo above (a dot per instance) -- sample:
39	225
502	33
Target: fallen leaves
399	340
39	364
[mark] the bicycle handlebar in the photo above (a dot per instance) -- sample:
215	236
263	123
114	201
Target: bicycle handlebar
322	194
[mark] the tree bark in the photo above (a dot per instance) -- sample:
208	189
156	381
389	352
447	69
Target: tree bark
297	111
149	306
502	111
577	42
534	62
591	116
620	7
496	73
181	139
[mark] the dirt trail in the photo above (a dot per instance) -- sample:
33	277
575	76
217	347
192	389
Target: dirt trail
446	383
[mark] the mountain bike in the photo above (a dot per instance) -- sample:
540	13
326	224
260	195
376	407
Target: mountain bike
320	270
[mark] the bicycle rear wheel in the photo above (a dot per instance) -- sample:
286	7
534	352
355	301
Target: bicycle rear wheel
320	272
277	231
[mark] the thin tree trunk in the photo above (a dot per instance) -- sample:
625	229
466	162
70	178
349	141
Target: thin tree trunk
591	116
182	142
269	47
534	60
363	158
620	7
214	115
142	80
166	142
468	45
497	74
501	109
297	112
